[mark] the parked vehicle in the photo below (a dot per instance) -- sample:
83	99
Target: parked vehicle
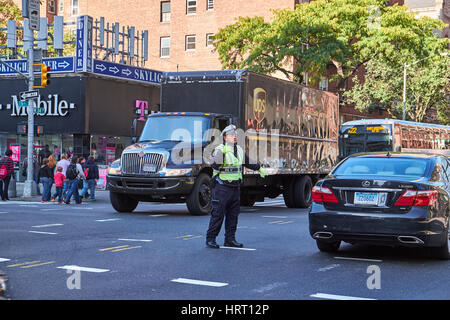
371	135
290	129
396	199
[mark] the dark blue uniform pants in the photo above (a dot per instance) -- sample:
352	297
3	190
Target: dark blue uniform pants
225	203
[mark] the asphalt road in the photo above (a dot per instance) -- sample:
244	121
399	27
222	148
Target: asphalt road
89	251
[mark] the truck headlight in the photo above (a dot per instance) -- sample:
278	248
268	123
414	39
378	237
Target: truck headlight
115	168
177	172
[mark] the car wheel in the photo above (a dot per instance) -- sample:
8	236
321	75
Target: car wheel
443	252
328	246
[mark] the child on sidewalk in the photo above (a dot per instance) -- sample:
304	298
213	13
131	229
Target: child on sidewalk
59	183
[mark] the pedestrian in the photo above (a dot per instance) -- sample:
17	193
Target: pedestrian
36	168
92	175
44	153
45	177
64	163
227	162
59	183
83	184
6	173
75	174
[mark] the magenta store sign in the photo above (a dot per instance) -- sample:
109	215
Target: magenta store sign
141	109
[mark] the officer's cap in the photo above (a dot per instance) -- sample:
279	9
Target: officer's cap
231	129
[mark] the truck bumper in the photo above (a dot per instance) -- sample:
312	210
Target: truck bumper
150	186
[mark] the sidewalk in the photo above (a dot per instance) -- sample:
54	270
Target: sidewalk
100	195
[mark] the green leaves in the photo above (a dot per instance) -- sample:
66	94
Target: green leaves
341	36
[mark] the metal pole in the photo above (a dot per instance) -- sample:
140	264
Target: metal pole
404	93
29	186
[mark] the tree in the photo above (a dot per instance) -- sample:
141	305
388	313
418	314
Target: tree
342	35
8	11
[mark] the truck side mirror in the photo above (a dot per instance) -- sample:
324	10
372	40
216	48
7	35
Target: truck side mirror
133	131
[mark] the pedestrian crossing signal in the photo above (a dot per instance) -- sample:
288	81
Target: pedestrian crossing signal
44	75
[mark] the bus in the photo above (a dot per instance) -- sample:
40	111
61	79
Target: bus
392	135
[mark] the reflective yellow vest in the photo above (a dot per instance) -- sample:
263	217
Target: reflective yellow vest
231	168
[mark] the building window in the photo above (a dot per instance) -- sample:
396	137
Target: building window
209	4
190	42
52	6
323	84
75	10
165	11
61	7
191	6
209	39
165	47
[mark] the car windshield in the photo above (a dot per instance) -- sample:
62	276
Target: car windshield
382	166
175	128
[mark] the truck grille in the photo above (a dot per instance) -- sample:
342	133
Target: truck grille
133	163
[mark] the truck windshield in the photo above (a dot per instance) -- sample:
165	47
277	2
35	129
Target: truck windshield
365	138
175	128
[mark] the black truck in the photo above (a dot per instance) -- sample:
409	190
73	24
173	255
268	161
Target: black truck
292	130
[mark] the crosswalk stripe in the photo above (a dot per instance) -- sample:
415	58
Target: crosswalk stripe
200	282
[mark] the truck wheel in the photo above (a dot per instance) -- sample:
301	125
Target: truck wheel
122	203
199	201
288	193
302	192
247	200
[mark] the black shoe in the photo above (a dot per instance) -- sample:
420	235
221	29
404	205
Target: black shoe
212	244
233	244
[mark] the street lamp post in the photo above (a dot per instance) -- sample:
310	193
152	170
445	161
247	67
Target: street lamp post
404	80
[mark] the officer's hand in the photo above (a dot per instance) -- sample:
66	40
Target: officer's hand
262	172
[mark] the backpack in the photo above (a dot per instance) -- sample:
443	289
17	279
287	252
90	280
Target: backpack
71	172
3	172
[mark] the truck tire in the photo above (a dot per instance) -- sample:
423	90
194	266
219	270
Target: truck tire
288	193
199	201
302	192
247	200
122	203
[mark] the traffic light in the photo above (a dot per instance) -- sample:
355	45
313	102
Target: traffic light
44	75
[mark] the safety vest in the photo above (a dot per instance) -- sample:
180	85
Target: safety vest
231	169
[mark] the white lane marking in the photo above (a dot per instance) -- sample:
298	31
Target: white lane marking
158	215
51	209
4	259
331	266
200	282
281	217
48	225
234	248
141	240
3	212
78	268
106	220
358	259
336	297
40	232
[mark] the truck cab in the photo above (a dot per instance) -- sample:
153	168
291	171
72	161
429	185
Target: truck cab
169	162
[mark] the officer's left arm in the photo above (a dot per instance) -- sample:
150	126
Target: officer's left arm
252	165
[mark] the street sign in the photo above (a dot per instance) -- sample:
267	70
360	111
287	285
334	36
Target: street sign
34	14
56	64
22	103
123	71
27	95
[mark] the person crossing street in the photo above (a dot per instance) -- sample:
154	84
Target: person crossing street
227	162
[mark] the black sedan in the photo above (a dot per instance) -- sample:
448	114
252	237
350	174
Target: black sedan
398	199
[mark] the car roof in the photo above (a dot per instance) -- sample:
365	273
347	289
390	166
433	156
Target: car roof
395	155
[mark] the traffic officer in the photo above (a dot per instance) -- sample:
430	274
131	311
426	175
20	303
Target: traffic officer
227	162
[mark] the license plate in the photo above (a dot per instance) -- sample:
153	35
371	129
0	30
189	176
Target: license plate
365	198
149	168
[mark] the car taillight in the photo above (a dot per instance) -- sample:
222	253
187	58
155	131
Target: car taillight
323	194
417	198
